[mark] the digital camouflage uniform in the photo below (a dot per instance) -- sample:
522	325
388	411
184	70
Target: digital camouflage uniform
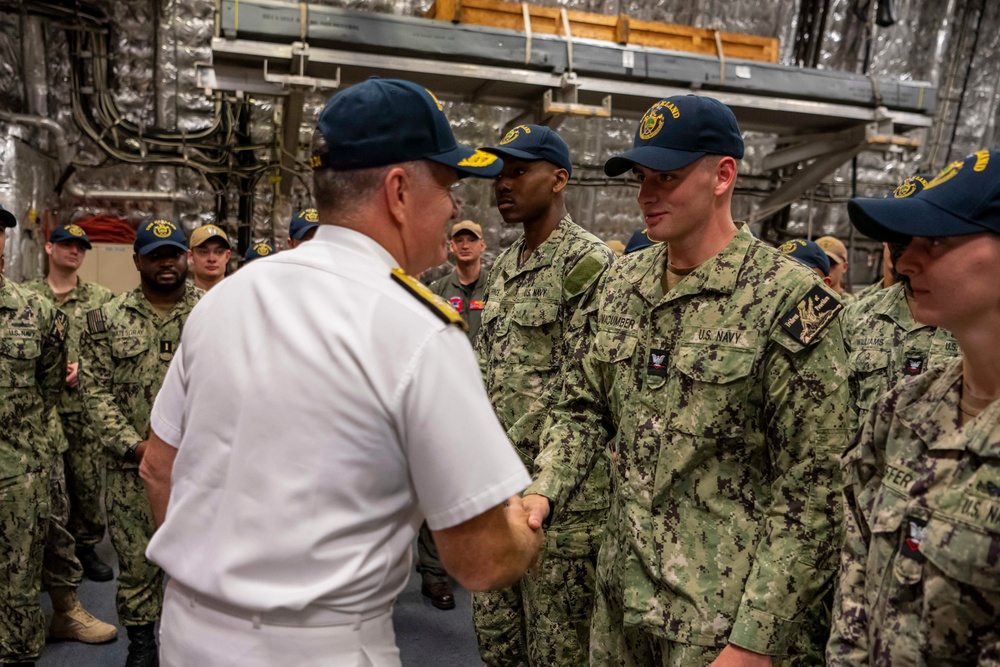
920	567
885	344
125	351
533	315
32	373
871	290
727	403
77	515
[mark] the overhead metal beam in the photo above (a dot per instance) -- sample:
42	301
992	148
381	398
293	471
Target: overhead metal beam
238	66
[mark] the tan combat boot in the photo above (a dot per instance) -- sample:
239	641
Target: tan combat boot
71	621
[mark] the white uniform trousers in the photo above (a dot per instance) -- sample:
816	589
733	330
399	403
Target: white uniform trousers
200	633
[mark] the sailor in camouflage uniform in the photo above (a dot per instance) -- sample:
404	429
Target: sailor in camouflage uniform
718	370
539	297
125	351
32	371
83	455
75	470
884	342
920	567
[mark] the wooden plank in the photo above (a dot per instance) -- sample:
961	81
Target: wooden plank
620	29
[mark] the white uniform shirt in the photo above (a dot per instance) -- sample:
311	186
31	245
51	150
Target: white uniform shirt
320	413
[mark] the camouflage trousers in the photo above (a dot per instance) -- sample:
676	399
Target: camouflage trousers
60	566
139	597
84	471
544	619
613	644
24	511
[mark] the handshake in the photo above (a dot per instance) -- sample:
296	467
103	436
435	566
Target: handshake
496	548
530	511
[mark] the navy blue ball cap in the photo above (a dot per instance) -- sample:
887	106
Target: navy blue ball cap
7	218
534	142
387	121
677	131
807	252
70	233
156	234
962	199
256	251
638	241
302	222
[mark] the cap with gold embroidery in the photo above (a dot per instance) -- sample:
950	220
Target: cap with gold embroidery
964	198
534	142
70	233
807	252
387	121
156	234
256	251
302	222
677	131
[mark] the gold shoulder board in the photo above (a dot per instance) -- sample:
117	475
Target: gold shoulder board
429	299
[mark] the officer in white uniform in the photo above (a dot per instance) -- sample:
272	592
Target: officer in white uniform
305	434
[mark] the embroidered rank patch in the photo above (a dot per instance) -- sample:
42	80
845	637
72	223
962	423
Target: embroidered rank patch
95	322
910	548
913	366
657	363
438	306
166	347
456	303
811	314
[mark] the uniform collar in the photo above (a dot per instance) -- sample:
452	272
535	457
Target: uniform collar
343	238
716	274
544	254
138	302
892	304
934	419
456	282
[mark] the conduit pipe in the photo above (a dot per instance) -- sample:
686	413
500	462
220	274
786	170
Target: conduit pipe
64	155
128	195
64	152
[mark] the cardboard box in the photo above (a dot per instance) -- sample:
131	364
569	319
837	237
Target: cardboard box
111	265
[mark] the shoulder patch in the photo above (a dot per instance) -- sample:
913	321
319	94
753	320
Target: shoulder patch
583	274
438	306
811	315
60	325
95	322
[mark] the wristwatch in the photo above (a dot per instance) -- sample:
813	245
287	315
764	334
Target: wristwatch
129	456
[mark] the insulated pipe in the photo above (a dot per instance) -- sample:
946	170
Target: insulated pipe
77	190
64	151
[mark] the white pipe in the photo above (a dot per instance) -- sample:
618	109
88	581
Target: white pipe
63	150
77	190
